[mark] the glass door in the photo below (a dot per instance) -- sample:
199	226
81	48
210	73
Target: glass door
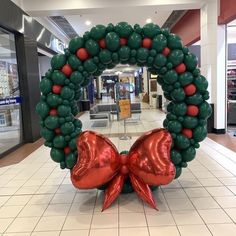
10	100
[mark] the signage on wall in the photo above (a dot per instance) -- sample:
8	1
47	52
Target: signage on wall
9	101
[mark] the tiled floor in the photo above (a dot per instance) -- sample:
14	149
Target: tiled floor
38	199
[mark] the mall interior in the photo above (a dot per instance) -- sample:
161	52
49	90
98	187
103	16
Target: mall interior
54	177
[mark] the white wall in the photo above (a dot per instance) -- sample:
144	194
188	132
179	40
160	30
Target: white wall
44	65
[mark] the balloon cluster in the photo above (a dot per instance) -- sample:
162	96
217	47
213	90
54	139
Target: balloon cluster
104	47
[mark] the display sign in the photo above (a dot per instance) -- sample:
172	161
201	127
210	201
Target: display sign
123	100
11	100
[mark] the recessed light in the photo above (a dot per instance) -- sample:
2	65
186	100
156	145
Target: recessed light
149	20
87	22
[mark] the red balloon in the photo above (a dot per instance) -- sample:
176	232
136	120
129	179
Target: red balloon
123	41
187	132
147	163
57	130
102	43
147	42
82	54
56	89
190	89
181	68
66	150
166	51
53	112
66	70
192	110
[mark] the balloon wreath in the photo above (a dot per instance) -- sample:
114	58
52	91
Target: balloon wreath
104	47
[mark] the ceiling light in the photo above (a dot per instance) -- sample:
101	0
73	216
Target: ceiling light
149	20
87	22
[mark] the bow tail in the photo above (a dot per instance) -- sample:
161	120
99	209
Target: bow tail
113	190
143	190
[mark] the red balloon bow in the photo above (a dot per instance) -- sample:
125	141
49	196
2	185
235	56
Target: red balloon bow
147	163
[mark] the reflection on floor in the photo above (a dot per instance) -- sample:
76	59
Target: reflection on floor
37	198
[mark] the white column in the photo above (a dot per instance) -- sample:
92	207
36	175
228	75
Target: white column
145	80
213	60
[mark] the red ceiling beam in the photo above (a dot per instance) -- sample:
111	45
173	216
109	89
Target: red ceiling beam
227	11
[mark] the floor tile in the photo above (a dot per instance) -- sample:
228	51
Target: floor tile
23	224
33	210
232	213
204	203
40	199
194	230
47	189
219	191
57	210
222	229
179	204
214	216
77	222
132	220
27	190
210	182
61	198
4	223
164	231
190	183
226	202
17	234
130	203
103	232
8	191
187	217
228	181
10	211
233	189
134	231
160	219
81	208
18	200
197	192
174	193
104	221
75	233
47	233
3	200
50	223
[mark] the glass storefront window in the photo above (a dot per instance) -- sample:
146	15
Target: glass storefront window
10	109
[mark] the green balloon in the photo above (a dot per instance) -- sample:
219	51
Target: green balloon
190	122
174	126
67	93
204	110
170	77
42	109
178	95
159	61
109	28
78	94
59	141
112	65
53	100
142	54
150	30
48	74
90	66
181	141
178	171
185	78
174	42
78	123
135	41
171	116
57	155
70	160
176	57
98	32
58	77
167	87
123	29
58	61
62	165
105	56
74	62
47	134
188	154
72	144
195	99
67	128
159	42
175	156
132	61
167	96
201	83
75	44
51	122
63	110
86	35
45	86
76	78
86	82
124	53
199	133
92	47
190	60
112	41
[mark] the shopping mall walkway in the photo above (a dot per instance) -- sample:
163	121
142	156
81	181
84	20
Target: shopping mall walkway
37	198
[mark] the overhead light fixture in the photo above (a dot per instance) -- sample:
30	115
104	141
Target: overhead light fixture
87	22
149	20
